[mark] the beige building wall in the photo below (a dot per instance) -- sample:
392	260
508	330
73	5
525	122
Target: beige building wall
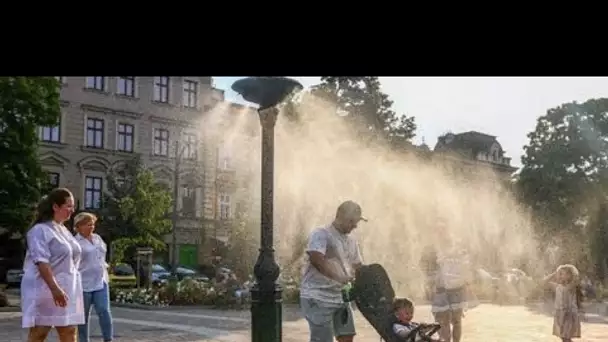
104	99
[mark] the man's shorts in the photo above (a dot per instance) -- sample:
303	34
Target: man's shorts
327	320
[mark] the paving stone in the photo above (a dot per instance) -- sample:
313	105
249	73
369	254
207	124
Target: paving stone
484	323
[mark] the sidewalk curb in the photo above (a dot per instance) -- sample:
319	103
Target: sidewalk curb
181	307
160	308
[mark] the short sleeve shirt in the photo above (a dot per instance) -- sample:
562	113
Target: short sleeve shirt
93	266
341	252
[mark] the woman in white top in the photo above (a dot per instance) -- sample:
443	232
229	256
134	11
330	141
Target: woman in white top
94	273
51	289
451	277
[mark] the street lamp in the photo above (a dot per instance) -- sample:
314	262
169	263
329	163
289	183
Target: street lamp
266	300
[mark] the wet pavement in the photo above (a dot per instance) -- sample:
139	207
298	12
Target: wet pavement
484	323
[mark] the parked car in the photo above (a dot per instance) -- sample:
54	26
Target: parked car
13	277
160	275
122	275
187	273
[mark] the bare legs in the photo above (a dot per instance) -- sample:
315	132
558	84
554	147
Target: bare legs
39	334
451	325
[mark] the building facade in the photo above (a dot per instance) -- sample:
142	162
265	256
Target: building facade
107	121
474	153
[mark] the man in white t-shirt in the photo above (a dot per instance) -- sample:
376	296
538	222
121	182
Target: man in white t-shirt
333	258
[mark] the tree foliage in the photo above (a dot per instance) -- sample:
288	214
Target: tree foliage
243	243
368	108
135	211
25	104
565	172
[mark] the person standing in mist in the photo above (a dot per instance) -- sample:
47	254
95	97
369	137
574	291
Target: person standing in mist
333	258
449	283
51	289
95	278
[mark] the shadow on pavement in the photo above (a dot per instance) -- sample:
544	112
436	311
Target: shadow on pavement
222	325
179	324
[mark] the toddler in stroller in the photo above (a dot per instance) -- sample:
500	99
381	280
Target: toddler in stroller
403	326
374	295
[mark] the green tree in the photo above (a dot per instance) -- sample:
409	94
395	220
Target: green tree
243	243
564	177
368	108
598	240
25	104
135	211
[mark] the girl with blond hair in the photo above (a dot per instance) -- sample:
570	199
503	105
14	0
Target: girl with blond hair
568	302
94	274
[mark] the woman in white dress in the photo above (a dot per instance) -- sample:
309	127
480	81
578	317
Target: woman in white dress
95	280
51	289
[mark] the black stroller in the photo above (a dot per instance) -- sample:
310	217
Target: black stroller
373	293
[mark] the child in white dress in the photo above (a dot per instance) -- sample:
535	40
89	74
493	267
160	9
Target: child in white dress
568	302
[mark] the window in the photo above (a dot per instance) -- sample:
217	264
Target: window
188	200
190	146
190	99
125	137
95	133
96	82
161	142
224	207
120	181
123	270
126	86
161	89
224	162
92	192
54	179
50	134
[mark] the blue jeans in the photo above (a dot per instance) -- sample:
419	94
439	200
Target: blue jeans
100	299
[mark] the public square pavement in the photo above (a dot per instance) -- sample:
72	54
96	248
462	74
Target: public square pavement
484	323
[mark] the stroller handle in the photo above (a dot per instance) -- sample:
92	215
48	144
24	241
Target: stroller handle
425	331
429	330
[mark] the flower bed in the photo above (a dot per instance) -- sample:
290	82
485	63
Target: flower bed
149	297
192	292
3	299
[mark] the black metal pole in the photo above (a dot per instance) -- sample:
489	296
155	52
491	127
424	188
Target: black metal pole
266	299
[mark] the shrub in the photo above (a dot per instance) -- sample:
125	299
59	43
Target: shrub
291	294
602	292
185	292
192	292
3	299
137	296
188	292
